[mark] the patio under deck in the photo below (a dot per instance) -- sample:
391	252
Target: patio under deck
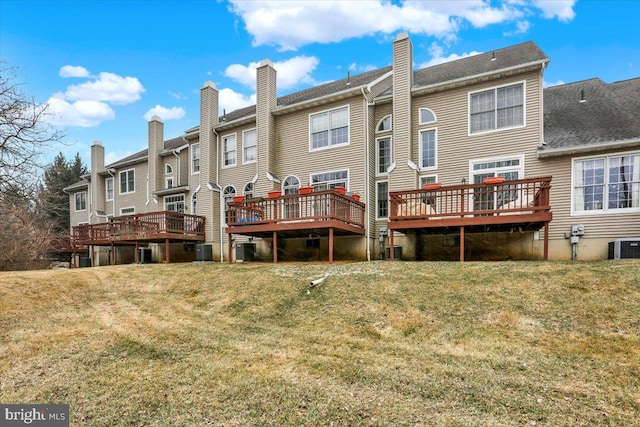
472	208
141	229
324	213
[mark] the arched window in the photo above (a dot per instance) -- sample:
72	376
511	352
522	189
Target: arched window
291	185
427	116
168	170
248	190
228	193
194	210
384	124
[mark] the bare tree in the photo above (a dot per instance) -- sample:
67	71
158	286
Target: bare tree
24	132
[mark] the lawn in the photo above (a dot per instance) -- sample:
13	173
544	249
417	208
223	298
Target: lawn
374	344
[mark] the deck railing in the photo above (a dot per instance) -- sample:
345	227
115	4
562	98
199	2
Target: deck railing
151	225
472	200
297	208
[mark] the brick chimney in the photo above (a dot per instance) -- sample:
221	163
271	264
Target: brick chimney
265	126
402	177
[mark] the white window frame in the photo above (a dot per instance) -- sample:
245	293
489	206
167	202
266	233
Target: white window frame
195	168
435	149
381	121
284	181
378	217
225	201
605	197
495	118
126	208
194	203
83	195
164	202
168	169
244	147
386	172
235	150
168	182
249	193
423	178
329	145
311	175
520	168
106	189
420	110
129	191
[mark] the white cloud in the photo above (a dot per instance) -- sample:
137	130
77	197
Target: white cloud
165	113
108	87
549	84
114	156
562	9
291	72
177	95
361	68
292	24
437	52
230	100
73	71
79	113
521	28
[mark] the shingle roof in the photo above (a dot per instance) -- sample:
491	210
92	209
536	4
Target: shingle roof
609	113
83	183
508	57
170	144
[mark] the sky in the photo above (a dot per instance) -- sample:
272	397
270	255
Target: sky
105	67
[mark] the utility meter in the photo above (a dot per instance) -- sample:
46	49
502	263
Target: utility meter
577	230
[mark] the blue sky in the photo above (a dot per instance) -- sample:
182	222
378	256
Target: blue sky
104	67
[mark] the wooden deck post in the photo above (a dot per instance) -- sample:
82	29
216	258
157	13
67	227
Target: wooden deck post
167	257
230	248
136	256
461	244
275	247
546	241
390	245
331	245
112	255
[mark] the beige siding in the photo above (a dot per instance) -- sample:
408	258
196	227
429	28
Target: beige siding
240	174
79	216
455	147
137	199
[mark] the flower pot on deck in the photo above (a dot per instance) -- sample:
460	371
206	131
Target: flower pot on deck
341	190
305	190
238	198
432	187
275	193
493	180
356	197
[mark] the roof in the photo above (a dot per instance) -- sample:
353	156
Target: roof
591	112
141	156
82	184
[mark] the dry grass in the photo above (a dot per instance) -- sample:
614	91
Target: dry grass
382	344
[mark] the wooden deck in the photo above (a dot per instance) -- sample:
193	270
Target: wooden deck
473	208
326	213
141	229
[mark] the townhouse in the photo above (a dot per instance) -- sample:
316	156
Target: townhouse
470	159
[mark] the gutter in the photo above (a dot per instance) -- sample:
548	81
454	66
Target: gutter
566	151
367	180
220	196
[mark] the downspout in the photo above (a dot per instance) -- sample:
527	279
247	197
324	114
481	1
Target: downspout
175	153
367	181
221	201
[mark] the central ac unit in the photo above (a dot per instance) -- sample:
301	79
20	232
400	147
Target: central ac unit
624	248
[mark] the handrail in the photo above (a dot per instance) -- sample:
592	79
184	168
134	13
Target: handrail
316	206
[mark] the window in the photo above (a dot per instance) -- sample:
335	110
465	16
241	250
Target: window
228	194
249	141
497	108
169	183
168	170
194	204
290	185
108	189
81	201
511	168
425	116
329	128
428	179
229	151
329	180
195	158
382	199
127	211
384	125
174	203
248	190
127	181
606	184
383	155
428	149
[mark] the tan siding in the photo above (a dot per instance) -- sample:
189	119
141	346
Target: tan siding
138	199
402	176
240	174
77	217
